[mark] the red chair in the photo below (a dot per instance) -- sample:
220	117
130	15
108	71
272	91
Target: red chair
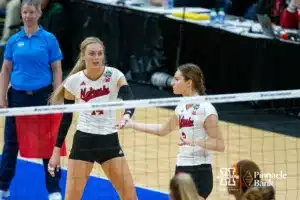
37	135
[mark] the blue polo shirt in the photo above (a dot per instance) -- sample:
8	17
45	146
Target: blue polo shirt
31	59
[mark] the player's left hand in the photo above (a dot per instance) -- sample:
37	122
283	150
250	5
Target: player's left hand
125	119
184	141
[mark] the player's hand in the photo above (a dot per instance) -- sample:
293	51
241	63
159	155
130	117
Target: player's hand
184	141
3	103
54	162
124	121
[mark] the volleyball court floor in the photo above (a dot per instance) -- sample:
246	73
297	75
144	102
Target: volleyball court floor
152	161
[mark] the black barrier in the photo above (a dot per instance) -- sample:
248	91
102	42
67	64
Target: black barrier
143	43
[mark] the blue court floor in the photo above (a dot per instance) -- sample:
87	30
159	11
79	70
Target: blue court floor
28	184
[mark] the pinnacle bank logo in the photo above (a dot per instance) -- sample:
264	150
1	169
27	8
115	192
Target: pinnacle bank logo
228	178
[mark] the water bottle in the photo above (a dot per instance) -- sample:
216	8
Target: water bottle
168	4
221	16
213	16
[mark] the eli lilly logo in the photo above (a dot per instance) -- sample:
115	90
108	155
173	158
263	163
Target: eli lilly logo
228	178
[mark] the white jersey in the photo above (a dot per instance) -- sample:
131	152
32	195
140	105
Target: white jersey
101	122
191	123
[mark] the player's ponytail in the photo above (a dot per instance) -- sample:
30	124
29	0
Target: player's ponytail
57	96
182	187
260	193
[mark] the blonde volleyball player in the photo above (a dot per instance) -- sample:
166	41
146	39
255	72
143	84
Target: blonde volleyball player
96	138
198	129
182	187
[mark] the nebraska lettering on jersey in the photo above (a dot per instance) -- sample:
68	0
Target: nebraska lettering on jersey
185	122
93	93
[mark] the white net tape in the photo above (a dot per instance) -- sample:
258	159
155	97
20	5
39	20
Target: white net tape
159	102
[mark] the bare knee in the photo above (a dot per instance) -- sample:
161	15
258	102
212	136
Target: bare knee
128	192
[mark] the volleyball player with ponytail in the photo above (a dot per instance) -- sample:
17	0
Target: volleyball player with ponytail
245	172
260	193
96	138
198	129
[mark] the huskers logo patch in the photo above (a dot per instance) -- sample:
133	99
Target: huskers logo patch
107	74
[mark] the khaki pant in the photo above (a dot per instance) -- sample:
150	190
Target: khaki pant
13	15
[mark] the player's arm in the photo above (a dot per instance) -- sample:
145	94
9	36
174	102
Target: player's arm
156	129
66	120
215	139
126	94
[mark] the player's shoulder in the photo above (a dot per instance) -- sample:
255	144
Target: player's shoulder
206	105
110	71
206	108
179	108
75	76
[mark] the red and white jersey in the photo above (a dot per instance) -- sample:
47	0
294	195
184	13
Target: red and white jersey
104	89
191	126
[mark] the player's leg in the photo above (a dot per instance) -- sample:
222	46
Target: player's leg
118	172
202	176
80	165
78	173
114	164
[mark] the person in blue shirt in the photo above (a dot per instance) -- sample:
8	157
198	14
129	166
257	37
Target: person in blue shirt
32	66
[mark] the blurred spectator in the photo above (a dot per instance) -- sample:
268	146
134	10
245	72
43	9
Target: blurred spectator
290	17
182	187
260	193
32	65
243	169
12	18
53	19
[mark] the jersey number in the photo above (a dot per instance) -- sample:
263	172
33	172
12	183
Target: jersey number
98	112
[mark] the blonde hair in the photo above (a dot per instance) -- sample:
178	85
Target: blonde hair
58	94
34	3
260	193
182	187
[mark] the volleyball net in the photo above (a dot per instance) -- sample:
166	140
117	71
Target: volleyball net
266	134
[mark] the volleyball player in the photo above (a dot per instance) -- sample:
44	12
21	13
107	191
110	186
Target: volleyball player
96	138
245	173
198	129
260	193
182	187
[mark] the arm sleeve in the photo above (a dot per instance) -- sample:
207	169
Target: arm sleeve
64	126
118	75
69	85
125	93
209	110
